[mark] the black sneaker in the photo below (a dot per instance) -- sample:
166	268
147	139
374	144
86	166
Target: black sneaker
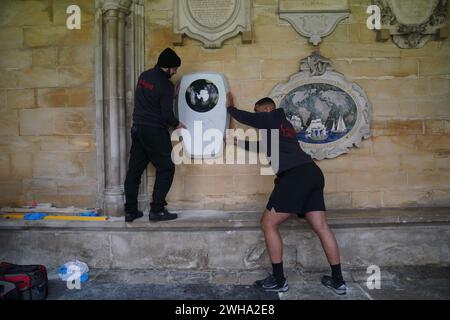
162	216
271	284
338	287
130	216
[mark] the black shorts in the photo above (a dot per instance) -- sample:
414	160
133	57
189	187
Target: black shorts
298	190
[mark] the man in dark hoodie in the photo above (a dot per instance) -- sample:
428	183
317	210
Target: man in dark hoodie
153	114
298	190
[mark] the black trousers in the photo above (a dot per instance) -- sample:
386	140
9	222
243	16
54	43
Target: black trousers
153	145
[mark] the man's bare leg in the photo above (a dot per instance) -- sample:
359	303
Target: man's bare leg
270	221
318	222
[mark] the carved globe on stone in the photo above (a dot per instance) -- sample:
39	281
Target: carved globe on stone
202	95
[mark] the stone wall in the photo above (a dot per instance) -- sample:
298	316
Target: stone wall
47	122
47	107
406	161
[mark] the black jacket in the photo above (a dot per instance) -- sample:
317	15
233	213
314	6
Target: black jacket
154	100
290	152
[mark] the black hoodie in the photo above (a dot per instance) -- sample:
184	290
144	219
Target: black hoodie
154	100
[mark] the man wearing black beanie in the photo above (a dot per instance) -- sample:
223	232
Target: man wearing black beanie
153	115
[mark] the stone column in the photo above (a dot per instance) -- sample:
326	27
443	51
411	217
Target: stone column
113	18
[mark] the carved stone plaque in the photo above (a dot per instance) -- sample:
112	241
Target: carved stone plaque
212	21
411	23
313	19
313	5
329	113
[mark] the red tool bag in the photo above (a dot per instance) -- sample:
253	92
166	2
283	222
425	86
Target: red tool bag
30	280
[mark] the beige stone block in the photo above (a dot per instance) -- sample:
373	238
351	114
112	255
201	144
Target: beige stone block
80	97
428	179
254	51
3	94
25	13
288	52
159	39
88	161
38	187
8	79
388	162
433	143
21	165
382	67
357	181
61	201
76	76
11	37
226	52
432	48
338	200
36	122
253	89
431	107
74	121
44	57
44	36
390	180
395	144
15	58
198	186
434	127
51	97
362	50
372	199
265	3
340	34
407	198
273	33
443	162
398	127
243	70
275	69
19	99
68	143
212	66
9	123
158	5
254	184
83	55
447	126
433	66
38	77
19	143
58	36
331	184
424	161
10	189
176	191
441	197
4	166
386	108
57	165
439	87
77	186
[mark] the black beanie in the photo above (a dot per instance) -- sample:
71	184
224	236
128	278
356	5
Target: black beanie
169	59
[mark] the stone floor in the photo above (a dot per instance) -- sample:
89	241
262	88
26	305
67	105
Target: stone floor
397	283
